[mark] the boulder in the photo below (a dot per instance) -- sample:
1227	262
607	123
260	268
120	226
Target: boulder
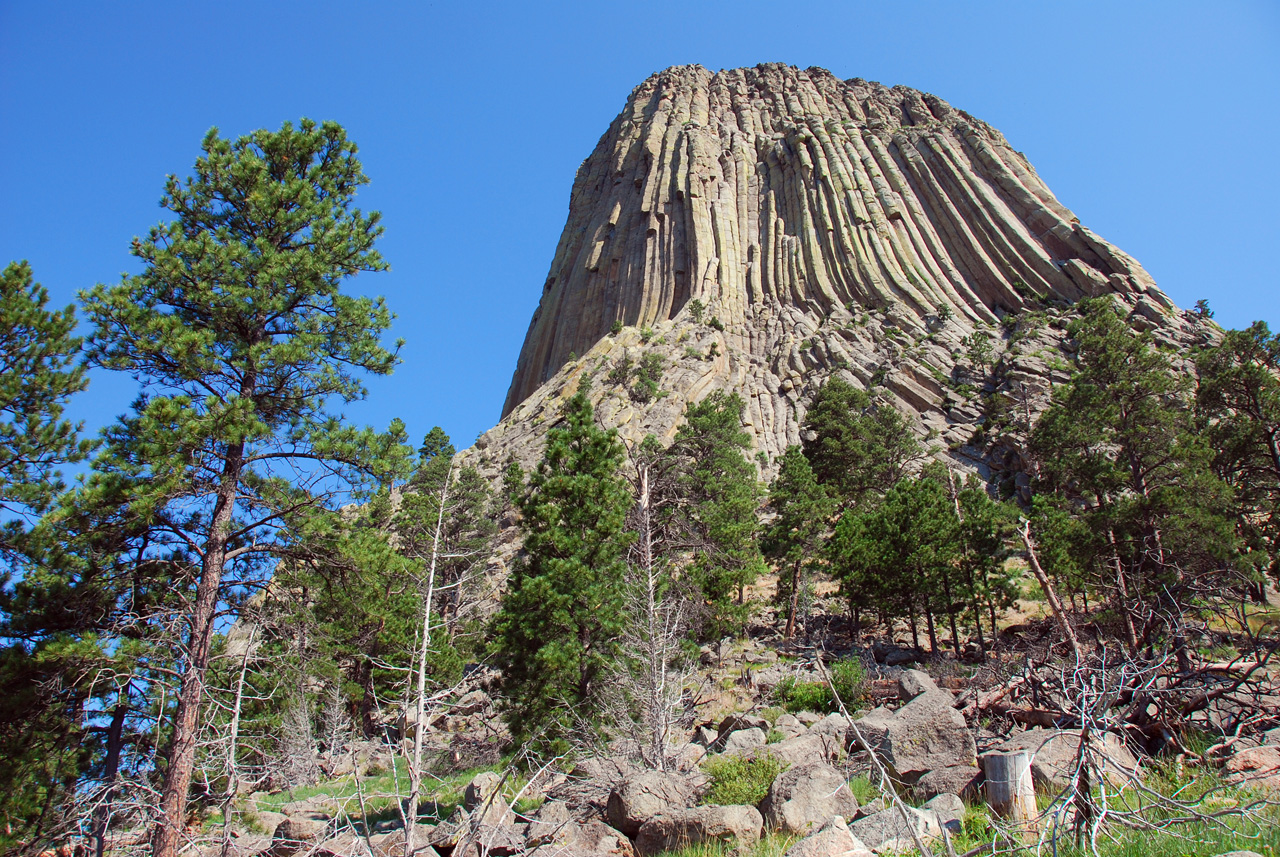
481	795
639	798
447	833
738	722
963	780
471	703
889	826
551	818
833	725
1256	766
588	837
789	725
498	841
705	736
805	797
391	844
264	821
924	735
743	739
833	839
586	790
740	825
299	832
912	683
802	750
1054	752
949	809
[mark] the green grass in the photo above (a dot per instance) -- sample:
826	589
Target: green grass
441	796
736	781
848	677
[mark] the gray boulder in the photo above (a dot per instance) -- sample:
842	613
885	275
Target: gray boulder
806	797
804	749
949	809
740	825
299	832
925	734
912	683
1054	754
738	722
963	780
743	739
889	827
551	818
833	725
833	839
790	726
639	798
588	837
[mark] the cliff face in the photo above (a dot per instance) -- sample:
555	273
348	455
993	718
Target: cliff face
828	226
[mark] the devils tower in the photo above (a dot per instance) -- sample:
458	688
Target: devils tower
817	226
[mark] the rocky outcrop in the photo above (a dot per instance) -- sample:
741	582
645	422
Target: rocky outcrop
681	828
758	230
806	797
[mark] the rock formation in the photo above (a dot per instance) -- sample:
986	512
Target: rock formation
820	226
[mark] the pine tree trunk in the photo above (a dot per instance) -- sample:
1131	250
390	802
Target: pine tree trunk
933	631
794	602
111	767
186	722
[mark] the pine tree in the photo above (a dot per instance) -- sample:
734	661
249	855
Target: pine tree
795	536
1239	399
723	494
240	332
556	632
42	369
857	447
1118	443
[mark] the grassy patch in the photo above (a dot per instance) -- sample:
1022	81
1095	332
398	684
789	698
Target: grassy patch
381	794
737	781
850	682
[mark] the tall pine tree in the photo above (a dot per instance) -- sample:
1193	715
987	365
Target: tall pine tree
239	330
556	632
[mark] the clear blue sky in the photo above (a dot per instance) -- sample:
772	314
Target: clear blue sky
1156	122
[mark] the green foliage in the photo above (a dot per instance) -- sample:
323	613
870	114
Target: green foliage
1119	445
555	633
978	349
848	678
716	323
696	309
648	373
239	330
803	507
736	781
616	327
646	334
724	496
42	370
1238	400
856	447
620	374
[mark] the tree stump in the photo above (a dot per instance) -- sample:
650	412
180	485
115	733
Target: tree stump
1010	791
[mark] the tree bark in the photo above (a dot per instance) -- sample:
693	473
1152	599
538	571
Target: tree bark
1010	790
1054	603
794	604
182	752
111	766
